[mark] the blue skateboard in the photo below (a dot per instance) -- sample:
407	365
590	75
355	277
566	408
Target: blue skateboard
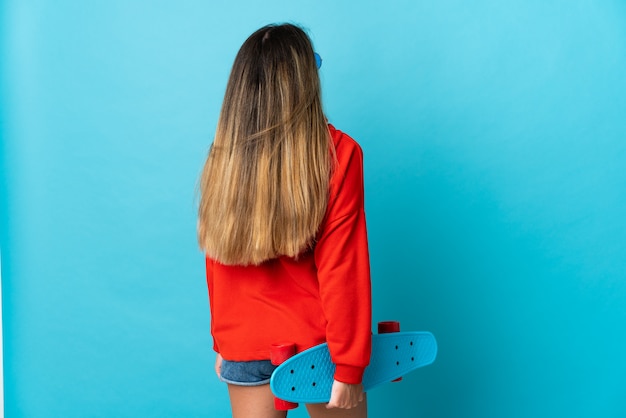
308	376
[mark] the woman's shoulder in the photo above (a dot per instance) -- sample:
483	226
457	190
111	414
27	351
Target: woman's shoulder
347	177
343	143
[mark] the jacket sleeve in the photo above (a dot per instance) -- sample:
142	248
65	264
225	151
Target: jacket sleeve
342	260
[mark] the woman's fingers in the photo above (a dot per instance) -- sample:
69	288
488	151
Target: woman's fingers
218	365
345	396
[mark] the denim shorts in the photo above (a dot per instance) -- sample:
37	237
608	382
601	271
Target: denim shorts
246	373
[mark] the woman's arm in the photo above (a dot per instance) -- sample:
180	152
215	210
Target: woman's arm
343	270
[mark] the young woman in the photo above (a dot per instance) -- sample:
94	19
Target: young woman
282	223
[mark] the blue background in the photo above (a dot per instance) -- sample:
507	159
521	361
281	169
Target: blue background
494	136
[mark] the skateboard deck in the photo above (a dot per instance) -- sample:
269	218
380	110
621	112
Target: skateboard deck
308	376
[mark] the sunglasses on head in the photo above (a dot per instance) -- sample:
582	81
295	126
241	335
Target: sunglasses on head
318	60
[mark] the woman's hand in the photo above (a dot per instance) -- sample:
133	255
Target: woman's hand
218	365
345	396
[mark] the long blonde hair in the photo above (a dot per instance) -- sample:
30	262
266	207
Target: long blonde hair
265	184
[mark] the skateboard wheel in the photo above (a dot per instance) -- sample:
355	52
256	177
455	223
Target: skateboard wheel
387	327
281	352
281	405
278	354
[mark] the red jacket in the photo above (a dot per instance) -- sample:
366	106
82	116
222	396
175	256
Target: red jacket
323	296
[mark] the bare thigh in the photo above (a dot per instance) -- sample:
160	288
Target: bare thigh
318	410
253	402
